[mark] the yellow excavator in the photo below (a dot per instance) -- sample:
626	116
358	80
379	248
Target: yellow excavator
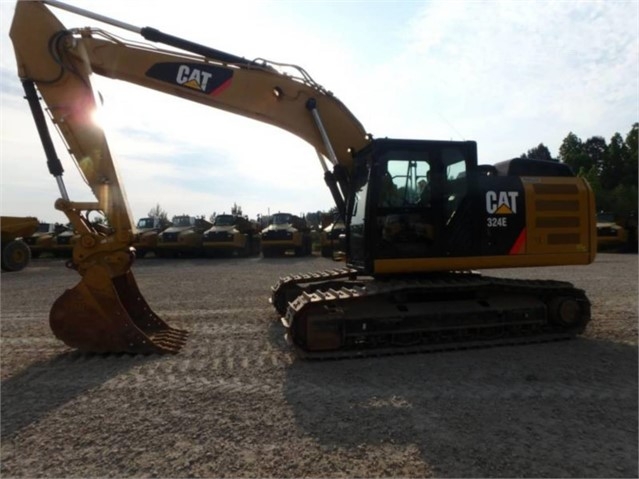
420	215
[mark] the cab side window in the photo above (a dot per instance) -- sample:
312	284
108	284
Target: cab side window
403	182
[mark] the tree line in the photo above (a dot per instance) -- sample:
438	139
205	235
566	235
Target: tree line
610	167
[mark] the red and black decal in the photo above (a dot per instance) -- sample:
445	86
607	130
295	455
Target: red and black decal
209	79
519	246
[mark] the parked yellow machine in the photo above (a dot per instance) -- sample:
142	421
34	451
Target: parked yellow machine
232	234
147	235
15	252
333	239
183	238
286	233
611	232
64	241
43	240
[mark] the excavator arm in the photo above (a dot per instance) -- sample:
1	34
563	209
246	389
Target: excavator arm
106	312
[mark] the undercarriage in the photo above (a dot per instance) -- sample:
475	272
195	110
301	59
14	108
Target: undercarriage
335	314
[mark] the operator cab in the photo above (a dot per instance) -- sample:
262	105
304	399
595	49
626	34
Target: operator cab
410	192
415	202
225	220
281	219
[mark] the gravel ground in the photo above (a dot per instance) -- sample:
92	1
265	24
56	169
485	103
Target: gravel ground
237	403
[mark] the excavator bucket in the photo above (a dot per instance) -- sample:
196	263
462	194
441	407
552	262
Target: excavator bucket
111	316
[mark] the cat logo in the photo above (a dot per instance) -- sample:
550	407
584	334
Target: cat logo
502	202
205	78
192	77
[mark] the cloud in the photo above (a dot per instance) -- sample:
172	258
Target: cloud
493	70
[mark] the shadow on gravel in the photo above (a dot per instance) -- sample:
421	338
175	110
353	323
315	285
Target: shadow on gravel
565	409
31	394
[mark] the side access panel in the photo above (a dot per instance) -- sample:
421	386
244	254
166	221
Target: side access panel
561	214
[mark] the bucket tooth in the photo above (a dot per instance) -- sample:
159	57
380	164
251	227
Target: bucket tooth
112	318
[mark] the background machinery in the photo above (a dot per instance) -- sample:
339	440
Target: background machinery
184	237
232	234
286	232
64	241
407	284
332	238
617	232
43	239
15	252
146	237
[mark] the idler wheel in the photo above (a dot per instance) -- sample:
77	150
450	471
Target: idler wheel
565	311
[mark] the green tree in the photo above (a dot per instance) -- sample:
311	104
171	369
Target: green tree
592	176
602	200
622	199
236	210
158	212
540	152
632	156
596	149
573	154
612	169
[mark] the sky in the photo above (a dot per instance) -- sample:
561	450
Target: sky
509	75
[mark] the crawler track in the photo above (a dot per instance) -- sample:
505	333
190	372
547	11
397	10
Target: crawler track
335	314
